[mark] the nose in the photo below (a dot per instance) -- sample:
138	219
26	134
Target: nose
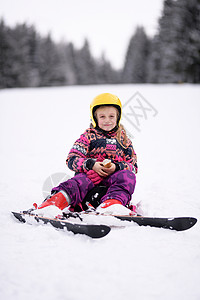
107	120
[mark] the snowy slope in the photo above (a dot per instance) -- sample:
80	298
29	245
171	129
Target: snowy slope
37	129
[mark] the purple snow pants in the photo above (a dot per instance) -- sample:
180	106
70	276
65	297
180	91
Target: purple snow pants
121	185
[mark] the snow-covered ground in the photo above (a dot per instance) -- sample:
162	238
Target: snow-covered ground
37	129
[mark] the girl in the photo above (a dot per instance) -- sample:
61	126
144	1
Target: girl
105	139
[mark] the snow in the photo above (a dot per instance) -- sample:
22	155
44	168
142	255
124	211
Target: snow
37	129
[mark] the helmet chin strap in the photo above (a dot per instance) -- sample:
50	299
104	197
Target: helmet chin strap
107	132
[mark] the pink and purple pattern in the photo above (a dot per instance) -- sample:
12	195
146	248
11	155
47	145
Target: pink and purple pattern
95	144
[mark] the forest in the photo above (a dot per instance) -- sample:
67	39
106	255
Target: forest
28	59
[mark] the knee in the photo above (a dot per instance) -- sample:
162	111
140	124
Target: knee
125	178
126	175
128	180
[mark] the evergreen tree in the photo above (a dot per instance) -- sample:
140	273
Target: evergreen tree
69	64
154	61
191	35
33	54
20	63
167	43
85	65
29	60
177	44
136	58
49	63
5	52
105	71
171	56
17	56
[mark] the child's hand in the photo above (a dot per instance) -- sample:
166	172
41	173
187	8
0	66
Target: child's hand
103	171
99	169
111	169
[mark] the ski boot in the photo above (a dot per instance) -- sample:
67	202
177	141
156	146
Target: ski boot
113	207
52	206
60	199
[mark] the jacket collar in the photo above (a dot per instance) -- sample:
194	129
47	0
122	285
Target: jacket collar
108	133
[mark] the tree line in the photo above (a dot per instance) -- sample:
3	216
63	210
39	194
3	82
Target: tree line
172	56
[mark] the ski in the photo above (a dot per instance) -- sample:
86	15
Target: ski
99	231
178	223
93	231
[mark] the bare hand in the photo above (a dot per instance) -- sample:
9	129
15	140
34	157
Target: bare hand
110	170
102	171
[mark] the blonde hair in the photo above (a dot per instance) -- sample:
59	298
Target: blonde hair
122	137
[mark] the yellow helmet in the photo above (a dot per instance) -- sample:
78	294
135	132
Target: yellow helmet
105	99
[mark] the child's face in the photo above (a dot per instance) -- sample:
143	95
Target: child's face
106	117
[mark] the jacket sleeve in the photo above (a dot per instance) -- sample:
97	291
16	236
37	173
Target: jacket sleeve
129	161
77	159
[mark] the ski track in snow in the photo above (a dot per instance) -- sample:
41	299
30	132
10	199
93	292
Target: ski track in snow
37	129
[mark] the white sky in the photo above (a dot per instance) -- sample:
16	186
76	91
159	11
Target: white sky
108	24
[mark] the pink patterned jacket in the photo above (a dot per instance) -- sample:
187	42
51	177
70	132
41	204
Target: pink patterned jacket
95	145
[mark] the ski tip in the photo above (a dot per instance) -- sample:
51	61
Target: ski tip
98	231
192	221
184	223
18	216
